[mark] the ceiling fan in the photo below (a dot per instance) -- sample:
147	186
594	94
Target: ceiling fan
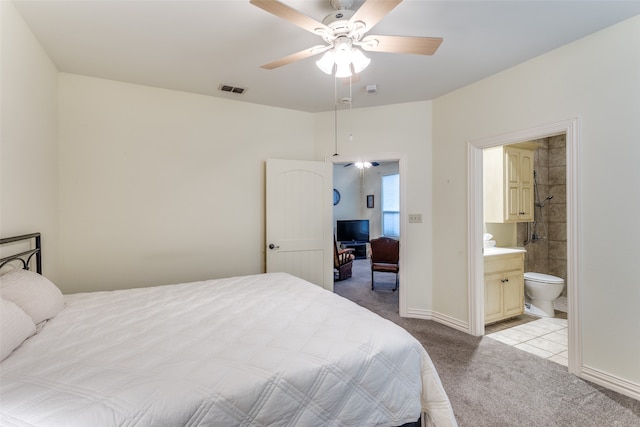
343	32
362	165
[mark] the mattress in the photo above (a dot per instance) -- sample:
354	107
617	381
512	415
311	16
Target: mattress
262	350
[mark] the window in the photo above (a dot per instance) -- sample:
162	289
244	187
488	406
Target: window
391	205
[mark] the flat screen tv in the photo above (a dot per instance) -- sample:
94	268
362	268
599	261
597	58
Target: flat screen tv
353	230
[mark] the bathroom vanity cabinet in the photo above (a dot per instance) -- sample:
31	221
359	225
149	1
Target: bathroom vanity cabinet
503	285
508	184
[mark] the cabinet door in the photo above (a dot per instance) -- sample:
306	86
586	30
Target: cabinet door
493	297
518	185
526	186
512	185
513	293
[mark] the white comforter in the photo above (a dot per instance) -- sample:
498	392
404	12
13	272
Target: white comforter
262	350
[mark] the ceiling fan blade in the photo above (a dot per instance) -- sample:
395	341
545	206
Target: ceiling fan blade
295	57
402	44
288	13
372	11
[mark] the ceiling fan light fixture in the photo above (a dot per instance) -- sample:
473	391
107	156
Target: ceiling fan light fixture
326	62
359	60
342	51
344	56
363	165
343	70
343	32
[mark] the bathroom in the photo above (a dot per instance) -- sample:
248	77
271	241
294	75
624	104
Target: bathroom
547	251
544	239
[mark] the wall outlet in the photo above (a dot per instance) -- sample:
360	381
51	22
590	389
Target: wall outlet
415	218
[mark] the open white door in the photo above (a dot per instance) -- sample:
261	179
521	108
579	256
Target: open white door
299	216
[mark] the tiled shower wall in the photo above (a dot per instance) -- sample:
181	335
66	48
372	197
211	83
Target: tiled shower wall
548	255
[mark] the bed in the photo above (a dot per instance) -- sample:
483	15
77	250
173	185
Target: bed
260	350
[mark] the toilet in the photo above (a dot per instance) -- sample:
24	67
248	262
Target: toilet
541	290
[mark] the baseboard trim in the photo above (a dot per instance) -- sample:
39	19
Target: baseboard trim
418	313
611	382
443	319
451	322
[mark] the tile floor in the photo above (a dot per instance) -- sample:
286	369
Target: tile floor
545	337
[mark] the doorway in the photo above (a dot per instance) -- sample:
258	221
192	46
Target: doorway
540	231
475	222
367	192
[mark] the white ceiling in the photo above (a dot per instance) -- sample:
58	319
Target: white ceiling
196	46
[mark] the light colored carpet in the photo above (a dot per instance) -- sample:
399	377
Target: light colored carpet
492	384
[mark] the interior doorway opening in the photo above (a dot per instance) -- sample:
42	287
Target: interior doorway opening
476	228
359	192
525	248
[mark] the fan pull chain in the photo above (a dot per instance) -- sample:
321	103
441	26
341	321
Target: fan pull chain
335	113
350	112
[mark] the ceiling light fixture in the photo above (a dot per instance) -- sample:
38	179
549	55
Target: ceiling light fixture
344	58
363	165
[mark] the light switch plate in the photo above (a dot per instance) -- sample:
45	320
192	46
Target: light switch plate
415	218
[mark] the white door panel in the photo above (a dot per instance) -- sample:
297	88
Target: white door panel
299	232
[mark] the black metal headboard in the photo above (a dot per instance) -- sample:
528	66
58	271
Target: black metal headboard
24	257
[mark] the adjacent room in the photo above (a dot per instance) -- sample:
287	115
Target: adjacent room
181	175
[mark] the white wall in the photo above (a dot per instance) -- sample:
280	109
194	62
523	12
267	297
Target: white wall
347	182
159	186
595	79
28	137
404	129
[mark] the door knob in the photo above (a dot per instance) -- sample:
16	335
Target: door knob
272	246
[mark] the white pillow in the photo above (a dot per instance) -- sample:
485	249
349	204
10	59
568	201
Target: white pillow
15	327
10	267
33	293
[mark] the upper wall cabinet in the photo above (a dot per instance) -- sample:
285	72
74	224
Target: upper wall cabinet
508	184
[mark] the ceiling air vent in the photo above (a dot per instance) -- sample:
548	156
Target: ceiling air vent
232	89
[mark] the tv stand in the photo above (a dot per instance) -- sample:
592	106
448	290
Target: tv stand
360	248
